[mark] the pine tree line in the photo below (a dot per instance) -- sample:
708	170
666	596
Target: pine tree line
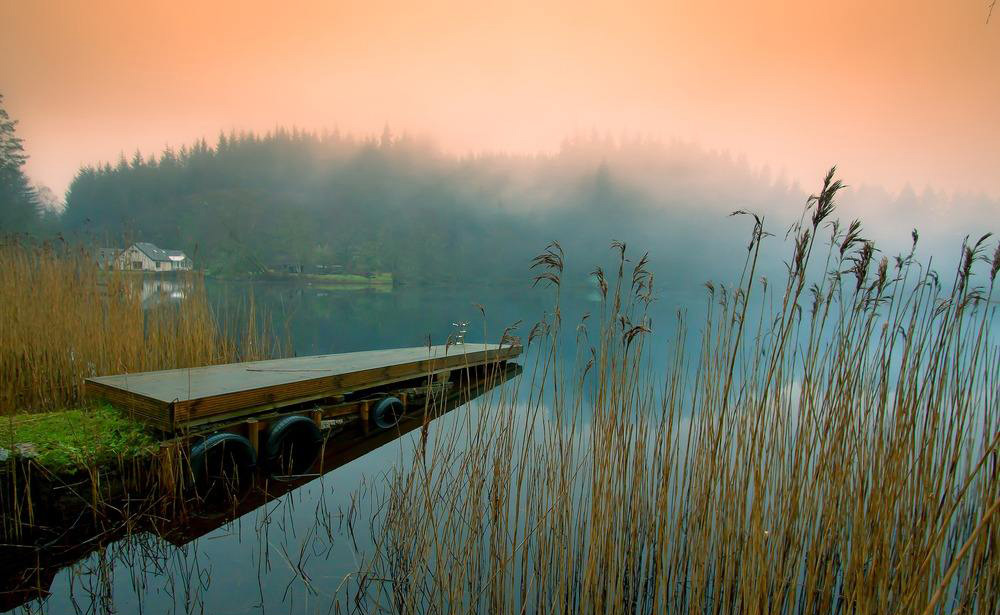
397	204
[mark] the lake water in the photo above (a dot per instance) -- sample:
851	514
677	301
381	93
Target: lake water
323	320
295	553
292	553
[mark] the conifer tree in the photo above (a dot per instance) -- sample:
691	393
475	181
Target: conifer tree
18	207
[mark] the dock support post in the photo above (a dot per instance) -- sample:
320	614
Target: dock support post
317	417
253	434
364	417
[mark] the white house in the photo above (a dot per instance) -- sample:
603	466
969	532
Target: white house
144	256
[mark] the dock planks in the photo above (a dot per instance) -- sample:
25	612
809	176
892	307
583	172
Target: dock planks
175	399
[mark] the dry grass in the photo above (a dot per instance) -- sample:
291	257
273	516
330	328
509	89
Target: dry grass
64	320
832	448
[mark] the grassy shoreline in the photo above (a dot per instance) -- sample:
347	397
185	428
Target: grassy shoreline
68	440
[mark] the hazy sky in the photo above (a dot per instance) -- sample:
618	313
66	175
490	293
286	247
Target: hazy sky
892	90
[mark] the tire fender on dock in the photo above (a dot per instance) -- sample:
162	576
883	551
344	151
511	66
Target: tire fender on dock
387	412
216	448
295	434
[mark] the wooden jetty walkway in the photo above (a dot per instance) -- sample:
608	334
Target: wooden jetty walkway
182	399
65	532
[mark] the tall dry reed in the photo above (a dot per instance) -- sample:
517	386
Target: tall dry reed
64	320
831	448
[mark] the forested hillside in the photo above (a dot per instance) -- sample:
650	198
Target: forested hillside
399	205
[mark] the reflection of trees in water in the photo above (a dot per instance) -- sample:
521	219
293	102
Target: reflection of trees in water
324	320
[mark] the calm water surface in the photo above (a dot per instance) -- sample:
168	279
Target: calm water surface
294	553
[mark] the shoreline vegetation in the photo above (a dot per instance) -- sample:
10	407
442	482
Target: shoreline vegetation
66	320
831	448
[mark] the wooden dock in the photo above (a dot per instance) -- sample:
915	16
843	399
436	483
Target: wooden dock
73	533
178	399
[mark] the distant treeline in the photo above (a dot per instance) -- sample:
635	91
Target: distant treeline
398	205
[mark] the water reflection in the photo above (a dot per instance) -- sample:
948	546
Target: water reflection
157	291
145	557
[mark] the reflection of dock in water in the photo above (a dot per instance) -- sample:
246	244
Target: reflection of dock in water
28	570
342	449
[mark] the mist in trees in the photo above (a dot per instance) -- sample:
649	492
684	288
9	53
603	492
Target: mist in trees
398	204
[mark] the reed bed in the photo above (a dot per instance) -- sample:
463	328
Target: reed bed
830	448
64	320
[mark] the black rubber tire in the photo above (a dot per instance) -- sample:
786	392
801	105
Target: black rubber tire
222	448
387	413
296	436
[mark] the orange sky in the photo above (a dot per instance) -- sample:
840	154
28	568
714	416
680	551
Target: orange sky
892	90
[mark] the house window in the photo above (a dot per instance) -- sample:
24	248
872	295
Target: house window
157	264
136	264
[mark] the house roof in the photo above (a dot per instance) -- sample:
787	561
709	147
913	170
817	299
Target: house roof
159	254
175	255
